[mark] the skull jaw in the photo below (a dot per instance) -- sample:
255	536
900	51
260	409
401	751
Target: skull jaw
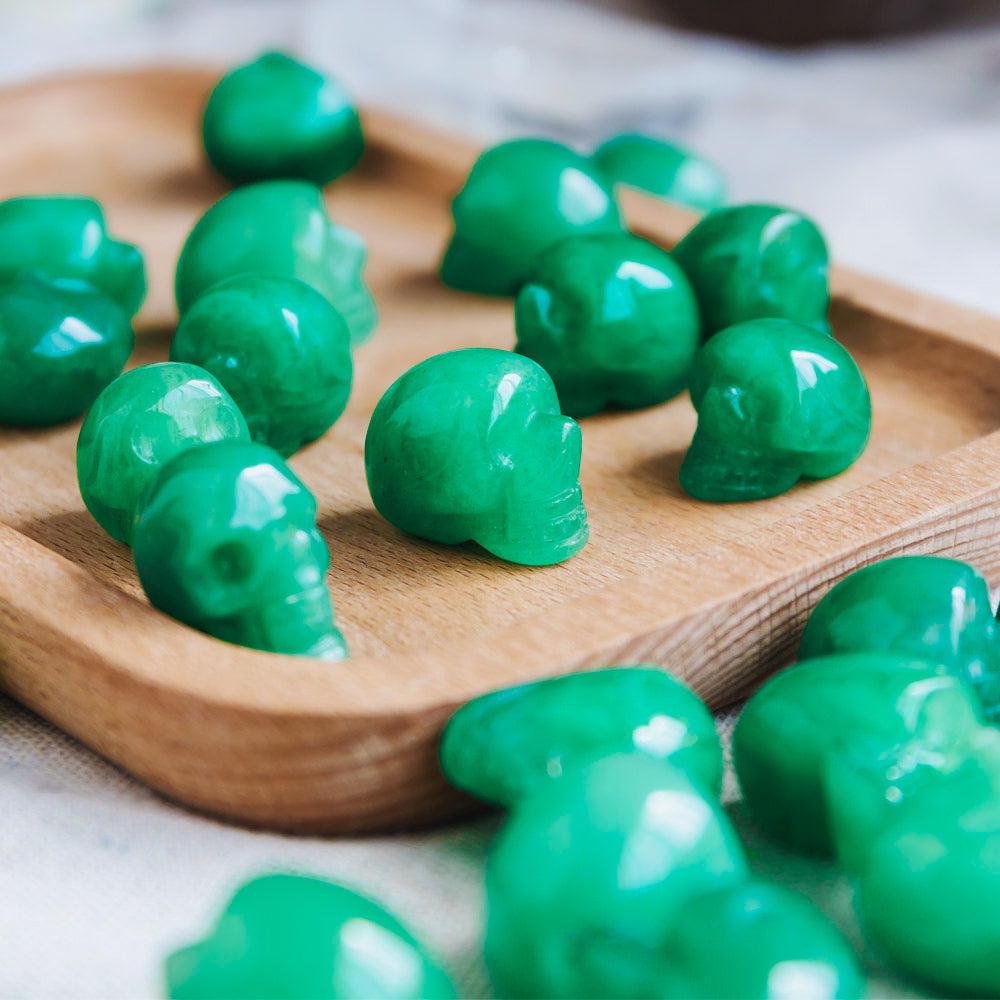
301	624
539	534
725	474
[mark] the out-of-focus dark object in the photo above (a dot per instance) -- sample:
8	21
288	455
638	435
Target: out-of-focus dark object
802	22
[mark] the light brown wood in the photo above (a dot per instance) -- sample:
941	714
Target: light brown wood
717	593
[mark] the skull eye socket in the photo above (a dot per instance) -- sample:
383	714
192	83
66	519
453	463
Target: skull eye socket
232	562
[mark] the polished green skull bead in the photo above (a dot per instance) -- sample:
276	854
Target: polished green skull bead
890	709
660	168
611	318
66	237
226	542
927	898
278	348
588	878
61	343
922	606
505	746
519	198
755	262
777	402
760	941
953	770
139	422
275	117
278	228
293	937
471	446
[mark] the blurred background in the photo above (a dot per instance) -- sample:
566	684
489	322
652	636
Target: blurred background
880	118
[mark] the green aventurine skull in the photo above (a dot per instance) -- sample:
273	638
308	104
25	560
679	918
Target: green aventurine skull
279	228
470	445
227	543
776	402
519	198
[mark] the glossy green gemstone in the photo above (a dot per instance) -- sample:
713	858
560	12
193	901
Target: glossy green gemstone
276	117
928	898
519	198
66	237
279	228
660	168
280	350
139	422
61	343
292	937
588	878
923	606
471	446
503	746
949	767
886	708
777	402
226	542
754	262
612	319
761	941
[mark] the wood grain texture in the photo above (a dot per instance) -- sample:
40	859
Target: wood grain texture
718	593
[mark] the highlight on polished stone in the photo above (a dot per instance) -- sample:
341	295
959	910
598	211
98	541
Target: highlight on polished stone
61	342
520	197
226	542
660	168
279	349
507	745
141	420
588	880
281	228
924	606
471	446
276	117
297	937
777	402
612	319
755	262
66	236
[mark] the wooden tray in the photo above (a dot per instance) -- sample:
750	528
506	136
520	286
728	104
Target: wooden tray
717	593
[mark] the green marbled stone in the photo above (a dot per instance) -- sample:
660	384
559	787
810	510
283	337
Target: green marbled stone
504	746
292	937
927	898
777	402
660	168
951	766
278	118
61	343
226	542
923	606
755	262
471	446
139	422
612	319
761	941
519	198
65	236
882	707
587	880
279	228
278	348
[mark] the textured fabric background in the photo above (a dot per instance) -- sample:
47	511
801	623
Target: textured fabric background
893	148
